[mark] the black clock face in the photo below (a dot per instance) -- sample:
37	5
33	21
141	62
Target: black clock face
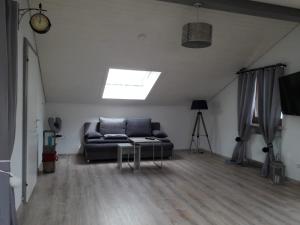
40	23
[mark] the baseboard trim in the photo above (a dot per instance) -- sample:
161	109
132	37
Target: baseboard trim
251	162
20	212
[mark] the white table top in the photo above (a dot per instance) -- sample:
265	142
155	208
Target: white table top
144	140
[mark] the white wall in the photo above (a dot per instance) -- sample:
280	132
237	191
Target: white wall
177	121
16	163
223	113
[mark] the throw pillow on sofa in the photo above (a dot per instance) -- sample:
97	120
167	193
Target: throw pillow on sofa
91	130
155	125
139	128
159	134
112	125
92	135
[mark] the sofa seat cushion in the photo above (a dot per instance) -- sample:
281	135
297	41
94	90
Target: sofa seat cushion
115	136
106	141
112	125
139	128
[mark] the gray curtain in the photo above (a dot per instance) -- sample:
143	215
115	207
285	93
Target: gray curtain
246	90
269	110
8	98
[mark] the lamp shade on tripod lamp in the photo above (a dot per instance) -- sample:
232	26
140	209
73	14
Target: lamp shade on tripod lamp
199	105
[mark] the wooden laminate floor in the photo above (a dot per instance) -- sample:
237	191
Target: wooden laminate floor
190	190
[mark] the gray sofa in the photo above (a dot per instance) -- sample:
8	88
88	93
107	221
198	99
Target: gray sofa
101	138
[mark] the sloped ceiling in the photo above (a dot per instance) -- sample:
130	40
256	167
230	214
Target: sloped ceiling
90	36
288	3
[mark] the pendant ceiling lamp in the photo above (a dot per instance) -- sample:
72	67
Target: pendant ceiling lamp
197	35
39	22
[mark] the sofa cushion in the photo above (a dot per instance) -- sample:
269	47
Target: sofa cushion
90	127
138	128
93	135
159	134
164	140
115	136
106	141
112	125
155	125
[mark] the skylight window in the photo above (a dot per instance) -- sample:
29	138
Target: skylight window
129	84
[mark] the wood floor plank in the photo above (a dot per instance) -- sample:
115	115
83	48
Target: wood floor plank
193	189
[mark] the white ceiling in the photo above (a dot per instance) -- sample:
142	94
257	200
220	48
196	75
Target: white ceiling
89	36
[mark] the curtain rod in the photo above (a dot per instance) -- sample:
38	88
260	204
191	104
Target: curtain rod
244	70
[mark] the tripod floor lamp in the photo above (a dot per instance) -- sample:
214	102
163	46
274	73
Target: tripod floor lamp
199	105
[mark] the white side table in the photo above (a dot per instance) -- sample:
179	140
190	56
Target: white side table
137	148
124	148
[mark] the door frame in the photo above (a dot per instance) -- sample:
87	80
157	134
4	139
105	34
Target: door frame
26	47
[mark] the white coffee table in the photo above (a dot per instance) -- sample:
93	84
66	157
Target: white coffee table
137	148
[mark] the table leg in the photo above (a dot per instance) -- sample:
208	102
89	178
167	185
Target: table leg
140	155
137	157
153	153
161	155
128	156
120	154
